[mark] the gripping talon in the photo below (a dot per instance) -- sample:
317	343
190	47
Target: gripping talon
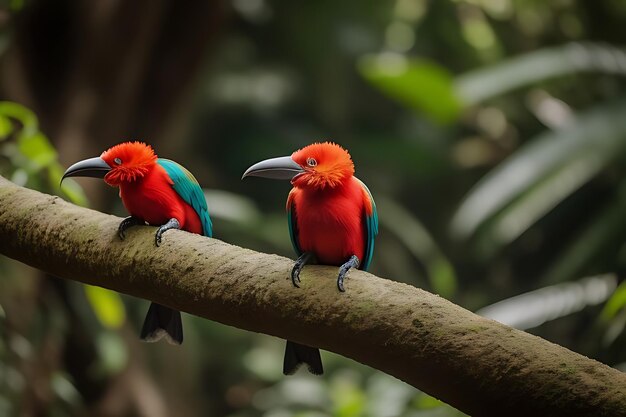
171	224
295	275
126	223
353	262
304	259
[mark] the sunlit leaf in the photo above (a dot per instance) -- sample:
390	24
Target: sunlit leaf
419	84
24	116
107	306
38	149
536	66
541	174
6	127
616	303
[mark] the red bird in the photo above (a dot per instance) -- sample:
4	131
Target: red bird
332	220
156	191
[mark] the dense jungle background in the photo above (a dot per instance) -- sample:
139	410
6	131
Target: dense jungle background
492	134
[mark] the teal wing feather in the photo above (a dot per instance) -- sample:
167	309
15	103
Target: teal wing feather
189	190
371	226
293	226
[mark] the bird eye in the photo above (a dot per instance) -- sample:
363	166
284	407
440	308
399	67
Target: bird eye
118	161
311	162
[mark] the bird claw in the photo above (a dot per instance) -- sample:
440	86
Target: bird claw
305	258
340	283
126	223
171	224
353	262
295	275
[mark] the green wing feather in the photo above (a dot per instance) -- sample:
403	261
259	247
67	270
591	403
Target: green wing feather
189	190
371	226
293	226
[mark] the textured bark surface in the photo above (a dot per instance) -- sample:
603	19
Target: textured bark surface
475	364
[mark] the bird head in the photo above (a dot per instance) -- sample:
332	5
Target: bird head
121	163
317	166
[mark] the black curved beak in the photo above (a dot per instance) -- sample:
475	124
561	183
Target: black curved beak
283	168
92	167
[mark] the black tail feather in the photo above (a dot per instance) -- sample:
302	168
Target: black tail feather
297	354
162	322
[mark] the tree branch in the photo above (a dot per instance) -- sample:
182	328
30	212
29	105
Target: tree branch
475	364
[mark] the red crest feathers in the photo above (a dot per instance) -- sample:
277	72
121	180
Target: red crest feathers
326	165
128	161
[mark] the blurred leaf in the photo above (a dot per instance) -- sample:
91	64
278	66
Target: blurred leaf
426	402
540	175
32	153
6	407
107	305
420	244
606	228
6	127
16	111
387	396
70	188
534	308
16	5
64	389
37	149
20	177
616	303
264	363
112	352
304	390
348	399
231	206
2	313
419	84
614	329
536	66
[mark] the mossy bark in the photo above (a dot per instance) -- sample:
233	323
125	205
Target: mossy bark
472	363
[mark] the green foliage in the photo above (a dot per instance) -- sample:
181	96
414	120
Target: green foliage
540	175
421	85
615	304
537	67
32	160
107	306
418	241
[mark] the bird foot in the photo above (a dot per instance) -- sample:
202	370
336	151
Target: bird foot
304	259
126	223
171	224
353	262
